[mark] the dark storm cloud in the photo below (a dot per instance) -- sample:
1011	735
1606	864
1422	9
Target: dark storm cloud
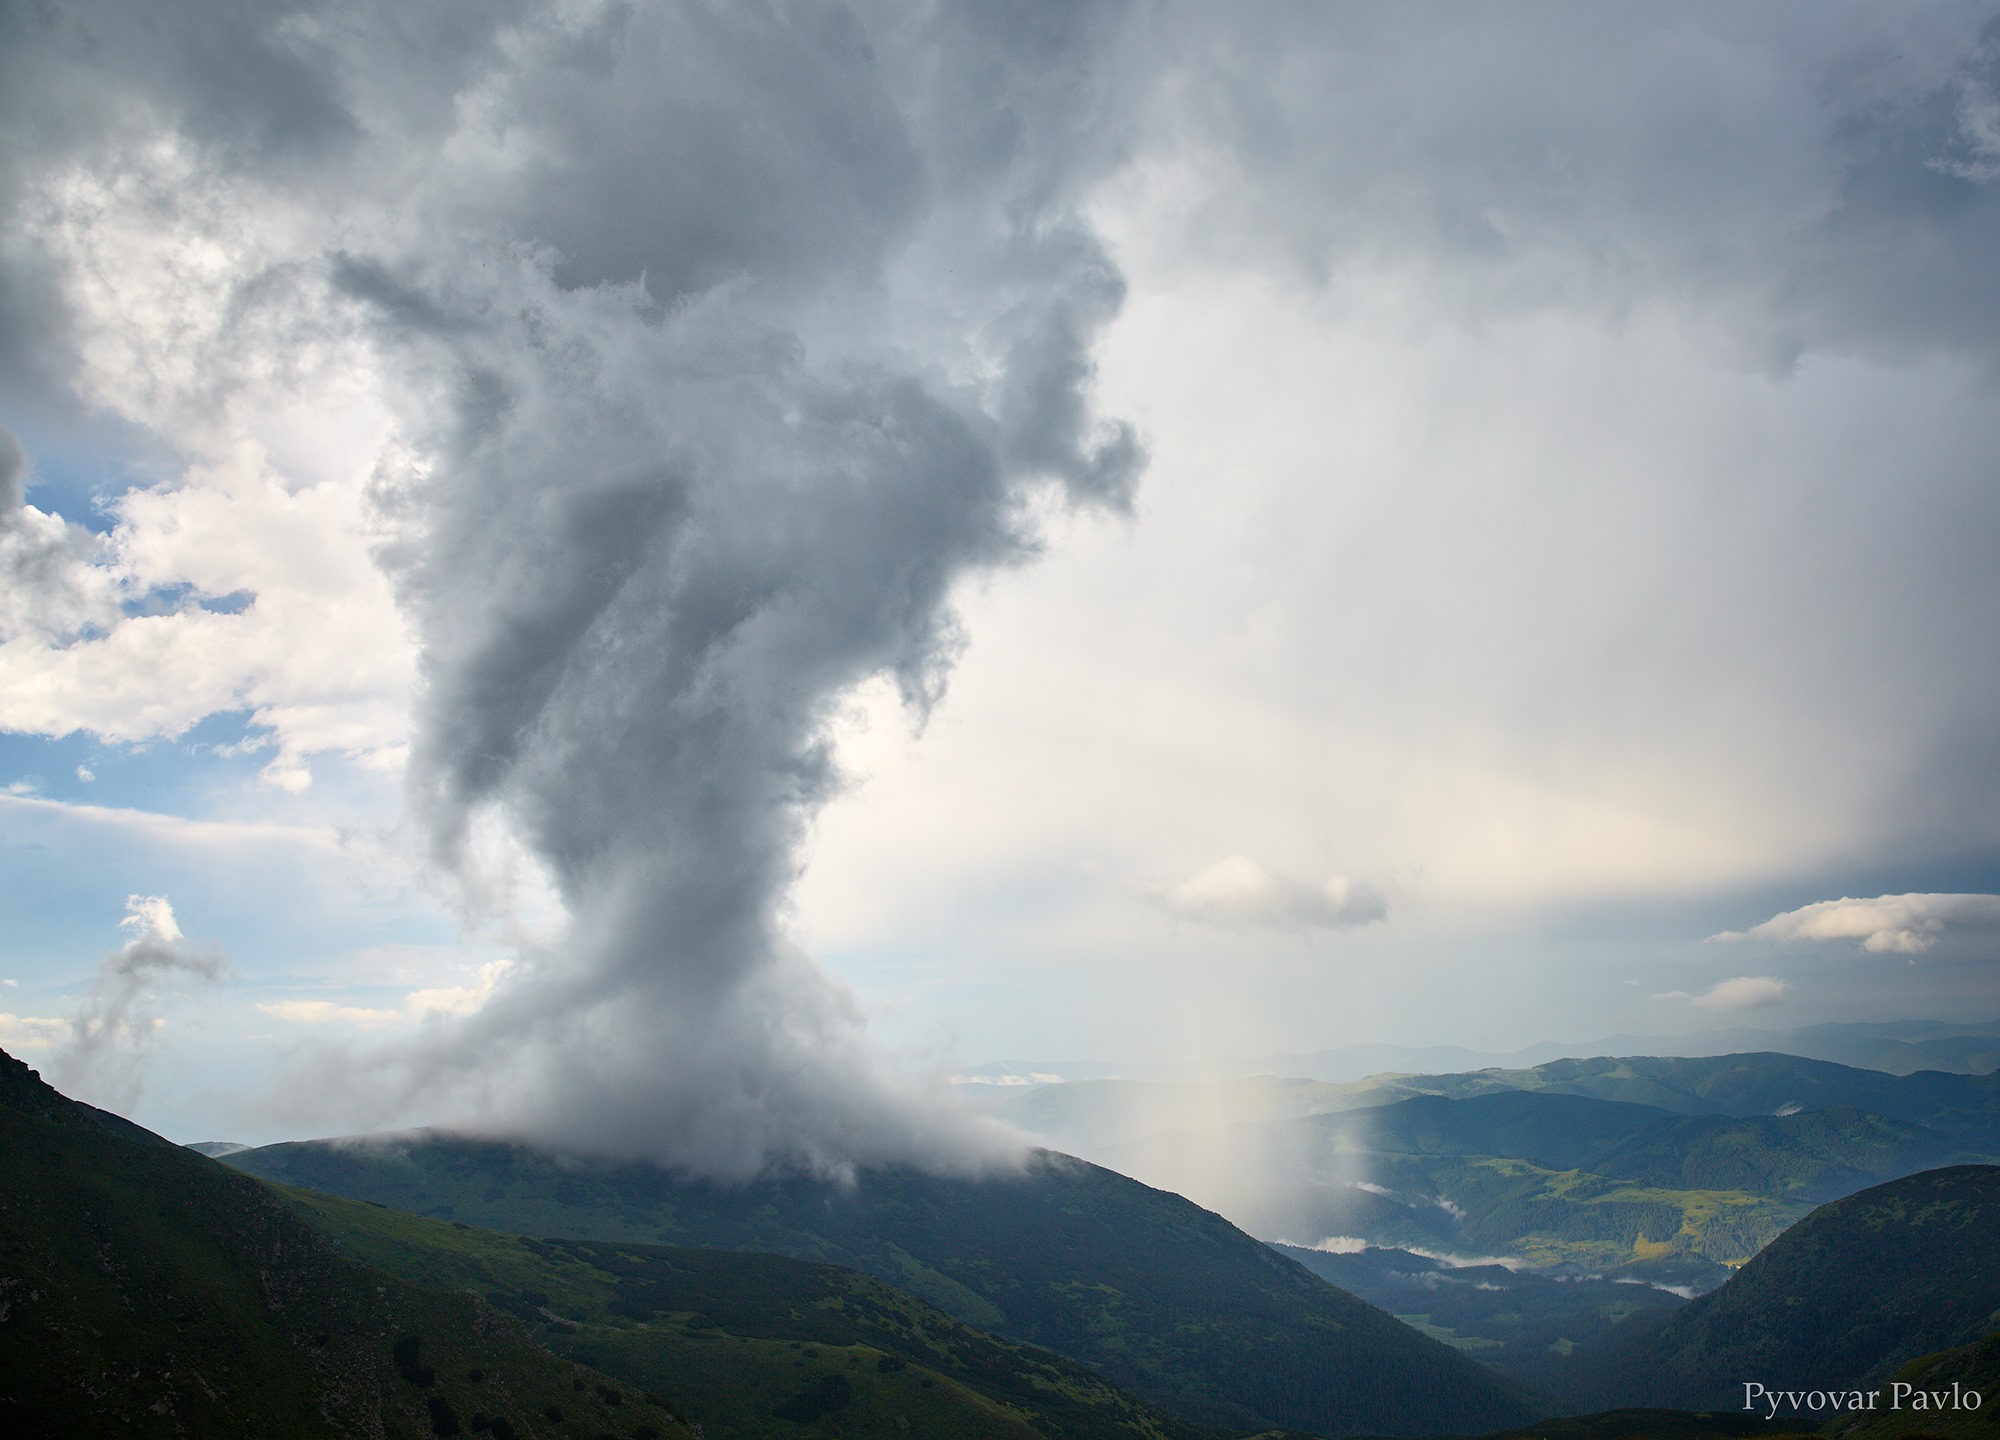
1796	185
1823	174
675	518
761	143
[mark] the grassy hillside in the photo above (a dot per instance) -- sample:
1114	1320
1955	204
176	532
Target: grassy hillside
1974	1367
1656	1425
1162	1297
730	1338
1843	1299
147	1291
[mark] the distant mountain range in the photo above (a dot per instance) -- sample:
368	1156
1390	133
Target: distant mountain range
1898	1047
1661	1168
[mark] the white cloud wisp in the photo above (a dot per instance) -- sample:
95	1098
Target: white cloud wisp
102	1055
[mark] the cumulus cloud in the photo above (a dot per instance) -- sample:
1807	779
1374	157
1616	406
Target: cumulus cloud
193	604
143	280
1239	894
107	1037
1888	924
49	589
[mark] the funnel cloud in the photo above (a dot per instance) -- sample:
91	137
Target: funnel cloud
667	527
707	349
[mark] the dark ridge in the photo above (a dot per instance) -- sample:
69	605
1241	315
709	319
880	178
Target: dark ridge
1161	1297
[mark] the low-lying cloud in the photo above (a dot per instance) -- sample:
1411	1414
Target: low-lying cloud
1888	924
1745	992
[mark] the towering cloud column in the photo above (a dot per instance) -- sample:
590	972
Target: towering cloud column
712	345
812	326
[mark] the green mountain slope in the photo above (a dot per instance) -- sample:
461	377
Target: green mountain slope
1941	1379
1811	1156
1655	1425
1814	1156
1164	1298
1841	1300
730	1338
147	1291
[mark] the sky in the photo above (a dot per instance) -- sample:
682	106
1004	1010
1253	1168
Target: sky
667	575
